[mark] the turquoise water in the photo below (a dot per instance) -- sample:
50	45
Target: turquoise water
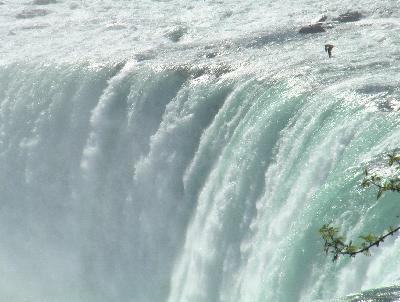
164	174
384	294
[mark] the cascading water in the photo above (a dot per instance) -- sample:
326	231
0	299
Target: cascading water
133	168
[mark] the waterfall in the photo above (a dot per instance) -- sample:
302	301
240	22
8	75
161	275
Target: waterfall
161	183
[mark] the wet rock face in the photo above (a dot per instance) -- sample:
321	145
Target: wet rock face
32	13
350	16
312	29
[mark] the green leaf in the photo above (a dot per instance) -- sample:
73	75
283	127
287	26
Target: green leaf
393	158
369	238
351	249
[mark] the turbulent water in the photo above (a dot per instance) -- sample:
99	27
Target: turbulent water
189	151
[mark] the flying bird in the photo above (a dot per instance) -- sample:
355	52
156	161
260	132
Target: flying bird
328	49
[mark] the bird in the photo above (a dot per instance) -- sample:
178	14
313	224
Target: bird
328	49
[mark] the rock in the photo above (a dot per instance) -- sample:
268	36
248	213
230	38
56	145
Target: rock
211	55
43	2
32	13
176	33
312	29
350	16
144	56
226	14
322	19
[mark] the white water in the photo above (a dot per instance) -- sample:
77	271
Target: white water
136	168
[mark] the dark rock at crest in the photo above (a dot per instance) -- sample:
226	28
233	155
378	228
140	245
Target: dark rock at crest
350	16
312	29
32	13
43	2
